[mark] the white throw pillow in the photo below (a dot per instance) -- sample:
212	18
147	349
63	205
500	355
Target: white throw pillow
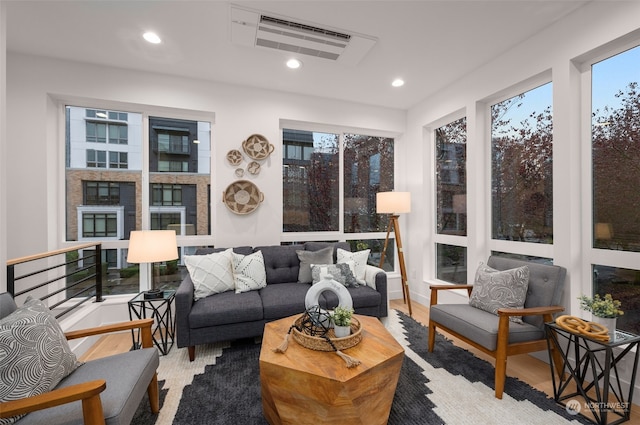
359	259
248	272
211	273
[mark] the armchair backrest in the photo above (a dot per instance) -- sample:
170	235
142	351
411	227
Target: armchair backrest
7	305
546	283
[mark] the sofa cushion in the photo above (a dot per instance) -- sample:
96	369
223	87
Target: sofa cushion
34	353
362	296
494	289
316	246
479	325
244	250
225	308
339	272
210	273
359	258
248	272
281	263
283	299
307	258
131	370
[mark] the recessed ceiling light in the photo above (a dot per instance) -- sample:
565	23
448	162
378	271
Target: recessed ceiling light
398	82
294	63
151	37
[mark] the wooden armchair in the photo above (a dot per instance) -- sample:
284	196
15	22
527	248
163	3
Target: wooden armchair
117	382
496	335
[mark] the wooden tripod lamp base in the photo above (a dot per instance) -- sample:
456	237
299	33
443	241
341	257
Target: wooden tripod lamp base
393	203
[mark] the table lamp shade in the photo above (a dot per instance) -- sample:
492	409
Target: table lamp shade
152	246
393	202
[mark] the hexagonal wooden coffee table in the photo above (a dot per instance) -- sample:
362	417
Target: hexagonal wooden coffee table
308	386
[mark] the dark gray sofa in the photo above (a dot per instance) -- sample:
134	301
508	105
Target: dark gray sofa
228	316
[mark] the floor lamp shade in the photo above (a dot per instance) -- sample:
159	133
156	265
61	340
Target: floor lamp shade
393	202
152	246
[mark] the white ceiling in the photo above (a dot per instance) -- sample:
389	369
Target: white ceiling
430	44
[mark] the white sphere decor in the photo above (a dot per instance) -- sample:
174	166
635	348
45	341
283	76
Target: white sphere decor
328	284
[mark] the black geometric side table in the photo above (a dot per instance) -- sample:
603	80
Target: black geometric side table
590	372
163	330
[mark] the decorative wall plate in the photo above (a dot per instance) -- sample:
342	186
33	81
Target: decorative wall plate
239	172
242	197
234	157
257	147
253	168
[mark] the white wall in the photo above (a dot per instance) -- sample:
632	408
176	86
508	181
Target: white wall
549	53
3	144
35	84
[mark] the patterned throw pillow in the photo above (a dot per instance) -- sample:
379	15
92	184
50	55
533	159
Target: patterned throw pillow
34	353
211	273
249	272
340	272
360	260
307	258
494	289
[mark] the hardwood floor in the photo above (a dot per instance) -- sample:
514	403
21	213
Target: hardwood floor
524	367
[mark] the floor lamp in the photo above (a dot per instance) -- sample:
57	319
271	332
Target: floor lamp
394	203
152	246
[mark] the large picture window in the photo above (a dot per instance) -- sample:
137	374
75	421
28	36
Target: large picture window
311	173
615	151
521	167
105	199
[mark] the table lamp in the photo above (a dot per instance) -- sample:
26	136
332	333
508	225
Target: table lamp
152	246
395	203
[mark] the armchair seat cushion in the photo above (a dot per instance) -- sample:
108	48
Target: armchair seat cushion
480	326
127	375
225	308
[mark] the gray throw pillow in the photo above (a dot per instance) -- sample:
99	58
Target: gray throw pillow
341	273
494	289
34	353
307	258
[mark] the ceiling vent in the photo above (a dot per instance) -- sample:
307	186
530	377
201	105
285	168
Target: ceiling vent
261	30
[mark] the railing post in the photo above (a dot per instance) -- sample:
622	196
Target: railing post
98	264
11	280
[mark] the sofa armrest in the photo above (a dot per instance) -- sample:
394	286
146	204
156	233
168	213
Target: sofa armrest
376	278
184	302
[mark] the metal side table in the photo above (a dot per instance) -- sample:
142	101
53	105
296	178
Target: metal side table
163	330
592	366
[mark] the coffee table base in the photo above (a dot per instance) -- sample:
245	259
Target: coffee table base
329	393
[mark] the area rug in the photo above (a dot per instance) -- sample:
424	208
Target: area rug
448	386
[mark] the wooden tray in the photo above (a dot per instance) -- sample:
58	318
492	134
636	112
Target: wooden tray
321	344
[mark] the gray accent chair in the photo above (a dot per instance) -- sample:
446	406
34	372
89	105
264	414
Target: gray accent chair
496	335
102	391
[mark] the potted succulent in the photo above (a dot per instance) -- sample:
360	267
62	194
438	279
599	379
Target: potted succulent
342	321
605	310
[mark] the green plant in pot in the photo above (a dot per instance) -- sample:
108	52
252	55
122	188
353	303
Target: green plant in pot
342	321
605	310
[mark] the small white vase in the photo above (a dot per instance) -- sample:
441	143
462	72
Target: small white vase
341	331
609	323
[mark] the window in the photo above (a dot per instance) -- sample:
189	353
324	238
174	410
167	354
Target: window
450	153
96	159
311	174
105	199
451	180
118	160
166	194
521	167
99	225
101	193
615	167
